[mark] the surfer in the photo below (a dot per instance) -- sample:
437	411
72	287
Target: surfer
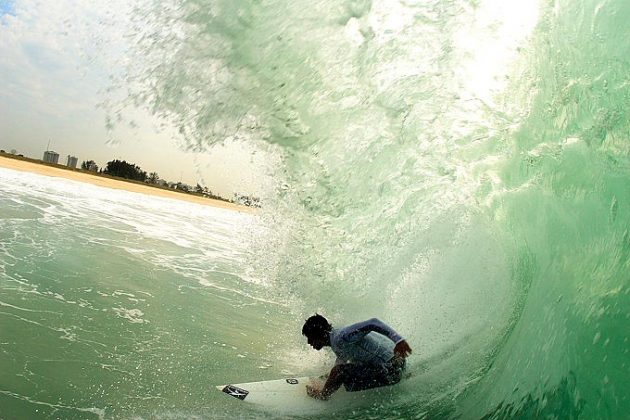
369	354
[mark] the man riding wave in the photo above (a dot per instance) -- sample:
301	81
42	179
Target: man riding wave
369	354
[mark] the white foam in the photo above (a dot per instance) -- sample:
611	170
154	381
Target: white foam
134	316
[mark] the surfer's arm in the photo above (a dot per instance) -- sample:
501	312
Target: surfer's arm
359	330
333	382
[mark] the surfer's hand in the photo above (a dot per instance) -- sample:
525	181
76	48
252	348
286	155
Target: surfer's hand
402	349
316	393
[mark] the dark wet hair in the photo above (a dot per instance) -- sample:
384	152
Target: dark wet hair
316	325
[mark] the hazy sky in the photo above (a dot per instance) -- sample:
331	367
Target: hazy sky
56	61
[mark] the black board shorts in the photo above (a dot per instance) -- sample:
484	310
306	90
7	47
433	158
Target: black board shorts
359	377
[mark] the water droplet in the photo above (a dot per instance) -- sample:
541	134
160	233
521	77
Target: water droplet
597	337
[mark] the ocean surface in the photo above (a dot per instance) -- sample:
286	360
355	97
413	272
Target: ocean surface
459	169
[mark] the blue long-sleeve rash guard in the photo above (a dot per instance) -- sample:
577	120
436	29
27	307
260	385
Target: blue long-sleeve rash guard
369	342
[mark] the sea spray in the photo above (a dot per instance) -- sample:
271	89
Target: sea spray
459	168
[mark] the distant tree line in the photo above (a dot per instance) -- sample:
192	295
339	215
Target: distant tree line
123	169
247	200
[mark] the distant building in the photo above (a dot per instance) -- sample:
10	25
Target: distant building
51	157
72	161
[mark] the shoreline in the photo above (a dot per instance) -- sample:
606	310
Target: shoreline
24	165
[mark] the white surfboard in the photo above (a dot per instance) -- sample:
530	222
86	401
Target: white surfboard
281	394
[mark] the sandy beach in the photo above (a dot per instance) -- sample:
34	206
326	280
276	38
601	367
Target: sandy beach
41	169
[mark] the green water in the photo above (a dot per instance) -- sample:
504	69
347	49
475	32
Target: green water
457	168
111	310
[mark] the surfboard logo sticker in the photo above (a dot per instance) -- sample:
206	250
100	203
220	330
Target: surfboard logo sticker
292	381
235	391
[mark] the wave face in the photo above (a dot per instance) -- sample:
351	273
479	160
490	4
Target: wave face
458	168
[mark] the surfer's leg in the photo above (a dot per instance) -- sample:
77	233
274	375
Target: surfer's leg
395	370
362	377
